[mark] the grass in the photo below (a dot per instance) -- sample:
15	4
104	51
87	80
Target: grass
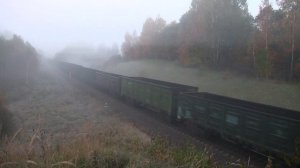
107	148
219	82
185	157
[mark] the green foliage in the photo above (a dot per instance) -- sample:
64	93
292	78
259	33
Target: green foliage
263	64
198	55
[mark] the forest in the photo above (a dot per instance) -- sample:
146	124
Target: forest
223	35
19	61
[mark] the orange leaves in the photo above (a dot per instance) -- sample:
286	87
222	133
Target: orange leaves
151	30
135	47
129	46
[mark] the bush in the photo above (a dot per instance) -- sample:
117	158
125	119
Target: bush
6	122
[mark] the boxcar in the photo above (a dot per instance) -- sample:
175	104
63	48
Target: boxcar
88	76
264	127
69	69
160	96
108	82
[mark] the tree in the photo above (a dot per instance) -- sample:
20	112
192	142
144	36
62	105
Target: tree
150	32
263	22
223	35
215	31
18	59
166	43
129	46
292	12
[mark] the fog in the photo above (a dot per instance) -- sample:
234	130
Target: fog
86	55
50	25
77	76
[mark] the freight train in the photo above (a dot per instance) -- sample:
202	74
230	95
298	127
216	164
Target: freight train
269	129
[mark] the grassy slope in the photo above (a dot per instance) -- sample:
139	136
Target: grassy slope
224	83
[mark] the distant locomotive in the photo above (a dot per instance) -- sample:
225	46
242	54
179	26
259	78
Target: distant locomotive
270	129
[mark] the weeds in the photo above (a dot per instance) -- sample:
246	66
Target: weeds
159	149
294	161
93	151
191	157
183	157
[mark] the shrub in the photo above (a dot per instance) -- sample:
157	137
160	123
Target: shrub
6	120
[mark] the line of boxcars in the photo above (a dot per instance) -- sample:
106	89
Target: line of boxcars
270	129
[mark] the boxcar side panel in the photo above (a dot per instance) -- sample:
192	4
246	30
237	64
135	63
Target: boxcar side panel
280	135
215	117
266	131
233	122
145	93
252	131
108	82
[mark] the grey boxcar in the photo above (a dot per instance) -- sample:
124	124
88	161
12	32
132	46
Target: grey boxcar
108	82
159	95
265	127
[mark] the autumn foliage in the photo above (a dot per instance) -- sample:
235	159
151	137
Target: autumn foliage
222	34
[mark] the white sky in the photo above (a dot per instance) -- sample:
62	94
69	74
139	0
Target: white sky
50	25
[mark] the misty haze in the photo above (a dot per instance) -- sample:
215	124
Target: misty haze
116	84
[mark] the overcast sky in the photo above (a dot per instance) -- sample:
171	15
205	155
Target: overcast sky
50	25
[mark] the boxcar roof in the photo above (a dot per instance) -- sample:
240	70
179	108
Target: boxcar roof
166	84
108	73
258	107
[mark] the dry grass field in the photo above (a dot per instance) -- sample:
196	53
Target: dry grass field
59	125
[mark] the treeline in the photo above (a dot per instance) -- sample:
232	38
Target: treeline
18	60
222	34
